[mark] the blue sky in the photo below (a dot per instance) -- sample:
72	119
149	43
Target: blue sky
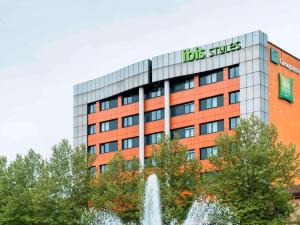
48	46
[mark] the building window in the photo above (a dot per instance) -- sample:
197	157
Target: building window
155	91
182	85
184	132
91	108
212	127
130	120
234	97
92	171
233	122
212	102
182	109
211	77
154	115
91	150
234	71
130	143
208	152
191	154
109	125
150	162
109	104
91	129
109	147
130	98
153	138
103	168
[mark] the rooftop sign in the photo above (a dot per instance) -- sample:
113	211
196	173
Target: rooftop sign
274	56
192	54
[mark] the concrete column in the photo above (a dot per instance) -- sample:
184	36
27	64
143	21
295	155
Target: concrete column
141	127
167	107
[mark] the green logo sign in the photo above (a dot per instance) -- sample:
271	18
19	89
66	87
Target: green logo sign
274	55
191	54
285	88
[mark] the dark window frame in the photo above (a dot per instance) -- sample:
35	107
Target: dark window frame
89	129
233	71
178	110
203	77
91	106
203	103
109	125
213	149
183	130
134	144
237	122
220	124
236	99
134	118
148	115
149	138
180	85
115	143
112	103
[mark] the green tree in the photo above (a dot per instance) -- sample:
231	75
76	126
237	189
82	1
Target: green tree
118	189
179	178
19	189
36	191
254	173
68	184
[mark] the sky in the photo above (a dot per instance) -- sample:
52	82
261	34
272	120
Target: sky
48	46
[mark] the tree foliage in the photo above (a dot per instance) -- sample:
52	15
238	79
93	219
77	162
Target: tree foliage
255	172
36	191
118	189
179	178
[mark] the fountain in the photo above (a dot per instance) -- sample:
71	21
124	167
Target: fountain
201	213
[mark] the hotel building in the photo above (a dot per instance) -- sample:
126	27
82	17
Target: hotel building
195	92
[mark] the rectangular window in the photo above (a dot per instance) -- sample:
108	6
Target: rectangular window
182	109
109	147
212	127
208	152
150	162
211	77
191	154
103	168
155	91
109	103
233	122
130	120
92	171
130	143
181	85
154	115
153	138
234	71
184	132
91	108
91	129
130	98
211	102
234	97
91	150
109	125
